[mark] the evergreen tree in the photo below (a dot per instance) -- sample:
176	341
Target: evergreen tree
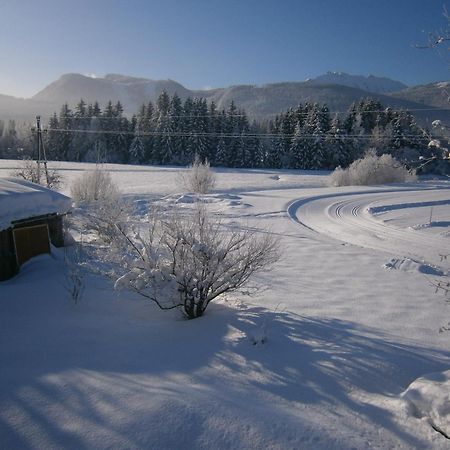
137	150
51	138
198	139
231	131
243	156
162	148
221	157
338	149
175	127
146	123
214	130
80	140
64	144
297	148
311	156
186	128
287	125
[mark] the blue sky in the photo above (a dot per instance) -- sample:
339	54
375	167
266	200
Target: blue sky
212	43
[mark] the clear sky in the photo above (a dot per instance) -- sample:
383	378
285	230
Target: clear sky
212	43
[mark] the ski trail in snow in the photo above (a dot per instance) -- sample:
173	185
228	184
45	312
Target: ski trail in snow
347	217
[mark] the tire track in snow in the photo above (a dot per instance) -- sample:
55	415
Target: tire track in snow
346	217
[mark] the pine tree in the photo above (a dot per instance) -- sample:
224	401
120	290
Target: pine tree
338	149
146	122
221	152
52	137
296	149
231	131
243	157
162	149
175	127
311	156
286	130
198	139
80	140
66	135
137	151
214	130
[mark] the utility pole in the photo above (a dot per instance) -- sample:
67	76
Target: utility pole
42	158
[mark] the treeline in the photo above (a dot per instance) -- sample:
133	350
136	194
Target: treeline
173	131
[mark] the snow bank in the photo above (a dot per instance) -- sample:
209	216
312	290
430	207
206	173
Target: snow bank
429	397
21	199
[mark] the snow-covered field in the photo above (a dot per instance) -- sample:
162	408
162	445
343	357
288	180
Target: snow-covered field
340	350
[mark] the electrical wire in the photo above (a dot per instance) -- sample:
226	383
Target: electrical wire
234	135
288	111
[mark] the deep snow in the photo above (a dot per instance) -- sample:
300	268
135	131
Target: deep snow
321	358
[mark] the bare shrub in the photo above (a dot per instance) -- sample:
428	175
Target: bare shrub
186	261
93	186
199	177
30	172
370	170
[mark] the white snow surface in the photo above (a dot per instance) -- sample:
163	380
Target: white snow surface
318	359
429	399
20	199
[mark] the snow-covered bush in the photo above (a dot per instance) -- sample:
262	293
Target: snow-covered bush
187	260
101	201
370	170
199	177
31	172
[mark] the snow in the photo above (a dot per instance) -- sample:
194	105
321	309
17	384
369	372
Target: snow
429	398
20	199
321	358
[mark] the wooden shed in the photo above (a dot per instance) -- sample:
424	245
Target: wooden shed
30	221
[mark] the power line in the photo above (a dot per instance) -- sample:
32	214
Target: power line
288	111
235	135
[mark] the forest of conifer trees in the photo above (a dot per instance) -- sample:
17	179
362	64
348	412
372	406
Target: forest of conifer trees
173	131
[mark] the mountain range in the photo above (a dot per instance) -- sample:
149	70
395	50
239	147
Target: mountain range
337	89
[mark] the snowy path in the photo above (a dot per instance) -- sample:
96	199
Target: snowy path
347	217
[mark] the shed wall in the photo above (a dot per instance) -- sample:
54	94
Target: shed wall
8	262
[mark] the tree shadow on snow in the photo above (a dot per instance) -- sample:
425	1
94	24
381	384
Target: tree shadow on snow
96	354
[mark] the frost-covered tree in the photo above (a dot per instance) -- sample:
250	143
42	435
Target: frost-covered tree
371	170
199	177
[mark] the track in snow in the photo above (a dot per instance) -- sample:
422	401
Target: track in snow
346	217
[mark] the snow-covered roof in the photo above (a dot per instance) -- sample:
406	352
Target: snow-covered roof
20	199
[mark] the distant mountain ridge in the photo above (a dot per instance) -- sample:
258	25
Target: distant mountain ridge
434	94
337	89
371	83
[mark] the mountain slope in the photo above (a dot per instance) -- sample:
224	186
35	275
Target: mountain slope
270	99
129	90
259	101
22	109
434	94
379	85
